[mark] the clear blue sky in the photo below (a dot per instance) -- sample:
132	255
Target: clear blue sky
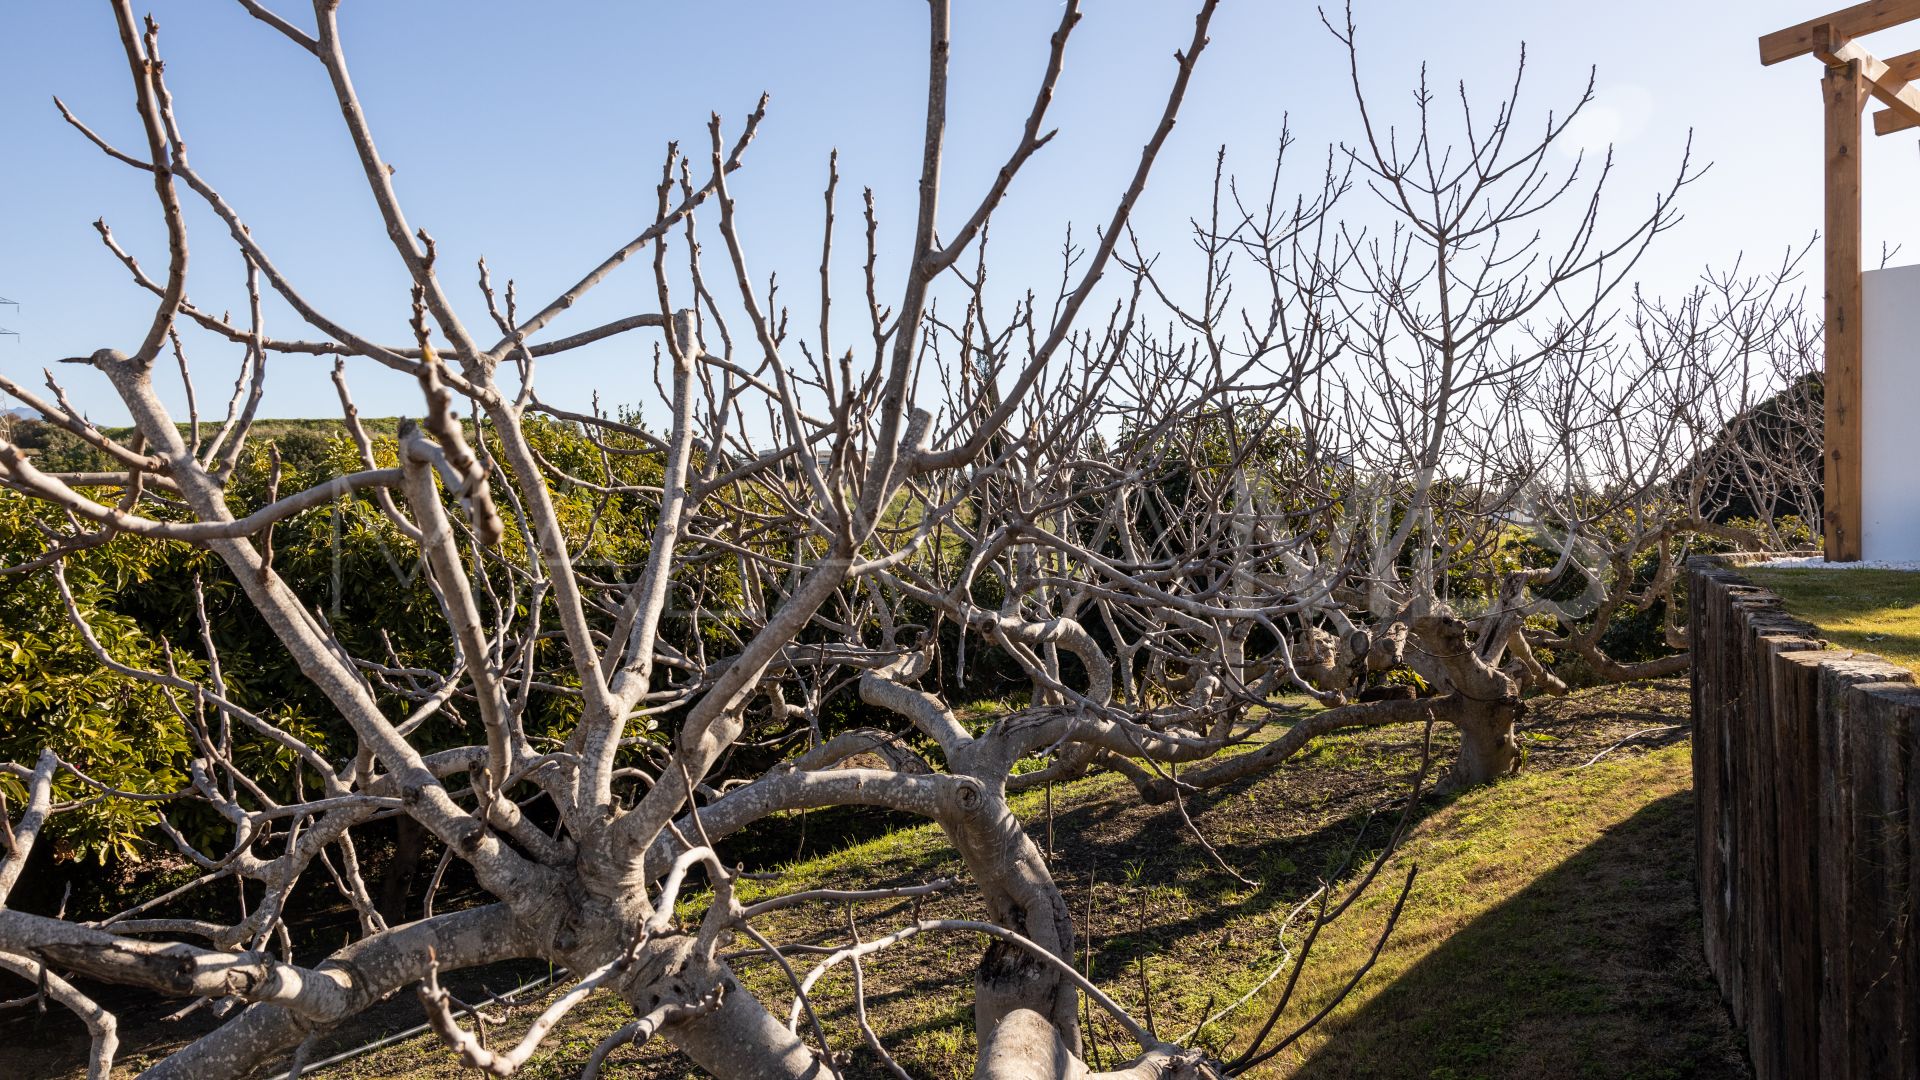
531	133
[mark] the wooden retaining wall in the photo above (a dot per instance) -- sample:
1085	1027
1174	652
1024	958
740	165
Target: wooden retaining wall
1806	778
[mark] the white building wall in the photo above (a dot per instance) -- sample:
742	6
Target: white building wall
1890	415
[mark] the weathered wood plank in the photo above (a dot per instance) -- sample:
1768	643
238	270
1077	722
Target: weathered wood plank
1879	905
1796	695
1781	1048
1909	945
1848	757
1757	901
1713	766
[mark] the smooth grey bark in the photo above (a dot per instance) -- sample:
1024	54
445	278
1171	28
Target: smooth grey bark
1026	1047
740	1038
369	970
1012	877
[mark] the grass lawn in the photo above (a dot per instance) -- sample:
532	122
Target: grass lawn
1876	611
1551	933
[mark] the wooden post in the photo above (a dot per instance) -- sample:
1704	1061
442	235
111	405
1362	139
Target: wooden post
1845	91
1852	74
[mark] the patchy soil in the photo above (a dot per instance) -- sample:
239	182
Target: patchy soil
1160	920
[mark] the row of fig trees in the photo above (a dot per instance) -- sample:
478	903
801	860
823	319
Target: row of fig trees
1410	425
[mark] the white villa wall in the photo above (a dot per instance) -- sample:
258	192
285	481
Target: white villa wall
1890	415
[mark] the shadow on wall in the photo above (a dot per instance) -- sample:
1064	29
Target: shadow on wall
1593	970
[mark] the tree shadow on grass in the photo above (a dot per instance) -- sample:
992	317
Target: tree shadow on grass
1153	847
1592	970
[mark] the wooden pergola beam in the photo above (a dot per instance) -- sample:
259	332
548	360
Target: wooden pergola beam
1906	68
1883	80
1853	77
1853	22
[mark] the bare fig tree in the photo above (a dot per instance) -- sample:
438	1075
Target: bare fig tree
1691	429
1410	355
